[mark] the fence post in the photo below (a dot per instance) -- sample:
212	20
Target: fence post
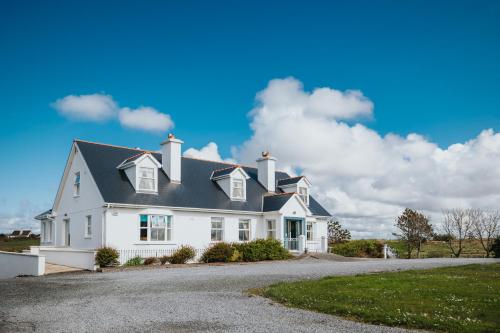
302	243
385	251
324	244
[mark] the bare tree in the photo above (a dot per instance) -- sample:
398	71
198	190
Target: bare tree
486	227
457	224
414	229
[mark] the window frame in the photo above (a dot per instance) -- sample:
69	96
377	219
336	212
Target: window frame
153	178
217	219
304	196
77	184
240	230
309	230
271	230
168	228
243	188
88	225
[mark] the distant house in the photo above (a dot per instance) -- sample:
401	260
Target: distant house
20	234
136	199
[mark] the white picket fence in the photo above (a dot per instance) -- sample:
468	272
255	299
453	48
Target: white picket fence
314	245
127	254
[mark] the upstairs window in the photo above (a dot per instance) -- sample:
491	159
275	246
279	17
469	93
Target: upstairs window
271	229
156	228
76	185
217	229
244	230
304	195
147	179
238	189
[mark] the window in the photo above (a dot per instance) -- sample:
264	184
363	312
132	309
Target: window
147	180
309	229
244	230
76	186
238	189
88	226
271	229
304	195
155	228
217	230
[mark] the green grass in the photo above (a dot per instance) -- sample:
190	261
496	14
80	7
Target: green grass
18	245
436	249
453	299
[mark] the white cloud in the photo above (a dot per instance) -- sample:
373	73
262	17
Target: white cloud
209	152
20	219
146	119
100	107
360	176
95	107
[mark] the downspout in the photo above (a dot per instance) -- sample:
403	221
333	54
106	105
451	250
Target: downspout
103	228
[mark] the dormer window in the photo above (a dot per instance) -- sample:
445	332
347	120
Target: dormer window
304	195
76	185
238	189
147	179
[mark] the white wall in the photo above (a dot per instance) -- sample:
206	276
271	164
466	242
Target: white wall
77	208
192	228
15	264
84	259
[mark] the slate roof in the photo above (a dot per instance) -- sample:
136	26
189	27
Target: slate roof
196	190
223	172
40	216
275	202
289	181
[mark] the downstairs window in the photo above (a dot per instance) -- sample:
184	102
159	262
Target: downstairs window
155	228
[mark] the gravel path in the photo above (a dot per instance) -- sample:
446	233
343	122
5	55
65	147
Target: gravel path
203	298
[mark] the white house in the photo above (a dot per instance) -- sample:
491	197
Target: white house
138	200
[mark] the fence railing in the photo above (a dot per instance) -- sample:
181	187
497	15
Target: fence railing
314	245
127	254
291	244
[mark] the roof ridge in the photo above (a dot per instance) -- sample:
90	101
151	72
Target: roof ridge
277	194
301	176
109	145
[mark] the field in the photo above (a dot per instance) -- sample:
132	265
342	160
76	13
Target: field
436	249
17	245
453	299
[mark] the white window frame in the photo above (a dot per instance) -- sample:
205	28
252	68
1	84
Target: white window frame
240	230
271	232
169	225
220	220
88	226
234	181
304	194
76	184
153	178
309	230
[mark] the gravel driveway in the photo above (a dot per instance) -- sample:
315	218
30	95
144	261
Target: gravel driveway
203	298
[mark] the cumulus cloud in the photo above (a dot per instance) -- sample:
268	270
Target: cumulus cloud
209	152
101	107
95	107
145	118
362	177
22	218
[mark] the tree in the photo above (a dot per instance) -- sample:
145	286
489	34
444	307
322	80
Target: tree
337	234
486	227
414	229
457	224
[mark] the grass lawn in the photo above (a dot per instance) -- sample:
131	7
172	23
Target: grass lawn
453	299
437	249
17	245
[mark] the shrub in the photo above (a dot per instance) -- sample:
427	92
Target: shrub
219	252
262	249
151	261
135	261
164	260
442	237
183	255
106	256
360	248
236	256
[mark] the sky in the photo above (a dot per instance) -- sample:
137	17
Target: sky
382	104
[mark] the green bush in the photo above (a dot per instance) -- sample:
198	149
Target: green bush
218	252
135	261
183	255
151	261
262	249
106	256
164	260
360	248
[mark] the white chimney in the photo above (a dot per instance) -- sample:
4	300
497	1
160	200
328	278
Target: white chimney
171	158
266	167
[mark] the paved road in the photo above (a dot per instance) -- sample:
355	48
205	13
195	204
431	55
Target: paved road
203	299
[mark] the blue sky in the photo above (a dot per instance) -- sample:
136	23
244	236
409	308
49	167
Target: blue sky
428	67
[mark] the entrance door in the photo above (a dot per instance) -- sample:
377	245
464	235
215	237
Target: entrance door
292	232
67	234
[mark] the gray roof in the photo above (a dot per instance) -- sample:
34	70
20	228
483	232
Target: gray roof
42	215
223	172
275	202
196	190
289	181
